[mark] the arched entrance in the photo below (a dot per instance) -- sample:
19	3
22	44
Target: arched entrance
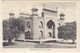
50	34
27	35
41	34
28	24
51	26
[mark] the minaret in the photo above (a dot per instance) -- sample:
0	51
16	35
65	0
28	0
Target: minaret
34	20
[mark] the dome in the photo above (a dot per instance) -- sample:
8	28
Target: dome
34	9
62	14
11	14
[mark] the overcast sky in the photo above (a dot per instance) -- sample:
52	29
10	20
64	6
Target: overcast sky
69	8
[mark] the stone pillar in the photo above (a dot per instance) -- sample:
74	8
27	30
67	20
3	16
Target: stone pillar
56	30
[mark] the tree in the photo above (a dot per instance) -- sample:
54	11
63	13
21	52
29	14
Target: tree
71	31
12	28
8	32
20	27
61	30
68	31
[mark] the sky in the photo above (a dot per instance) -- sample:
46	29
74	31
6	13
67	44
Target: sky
68	8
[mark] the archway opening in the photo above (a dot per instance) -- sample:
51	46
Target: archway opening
41	24
27	35
28	24
51	26
50	34
41	34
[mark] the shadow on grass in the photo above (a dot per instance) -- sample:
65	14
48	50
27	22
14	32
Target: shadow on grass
27	41
50	41
8	44
20	40
33	41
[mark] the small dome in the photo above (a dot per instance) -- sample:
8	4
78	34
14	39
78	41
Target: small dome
62	18
34	9
11	14
62	14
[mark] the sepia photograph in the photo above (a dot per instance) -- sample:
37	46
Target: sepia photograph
35	24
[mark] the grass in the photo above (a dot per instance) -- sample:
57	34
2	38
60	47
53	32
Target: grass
22	44
7	44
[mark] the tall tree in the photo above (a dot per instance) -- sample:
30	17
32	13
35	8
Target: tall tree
12	28
8	31
61	30
68	31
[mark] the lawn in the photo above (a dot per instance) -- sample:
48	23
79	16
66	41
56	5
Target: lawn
21	44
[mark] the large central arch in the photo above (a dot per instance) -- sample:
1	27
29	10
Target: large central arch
51	26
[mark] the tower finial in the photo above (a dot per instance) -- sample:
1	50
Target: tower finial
34	6
57	8
43	5
19	10
43	10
